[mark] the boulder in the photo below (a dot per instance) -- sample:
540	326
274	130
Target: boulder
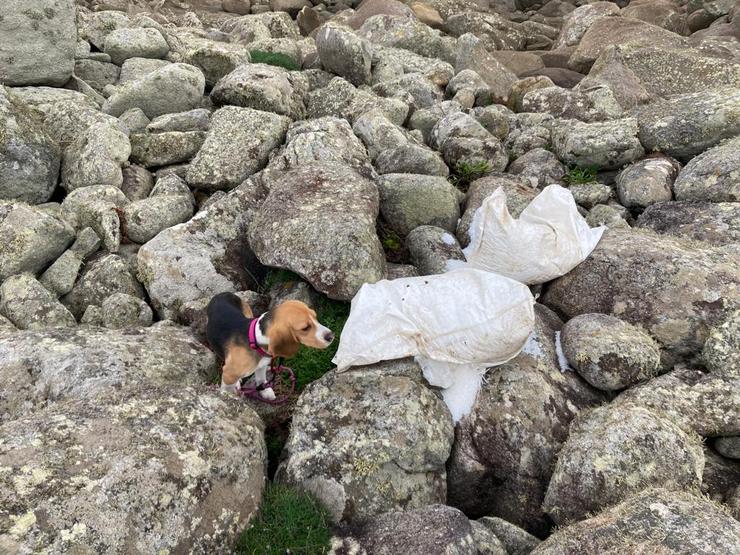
129	488
318	220
207	255
721	353
97	74
60	277
134	120
606	145
215	59
170	203
369	440
29	158
646	182
594	104
162	149
577	22
609	215
728	446
135	69
137	182
505	449
408	33
539	167
411	158
432	249
663	13
98	207
673	289
96	157
95	26
172	88
237	146
38	40
514	540
344	53
608	353
183	122
716	223
408	201
707	118
370	8
606	31
263	87
712	176
590	194
138	42
610	70
30	239
379	133
653	521
473	55
122	310
29	305
494	31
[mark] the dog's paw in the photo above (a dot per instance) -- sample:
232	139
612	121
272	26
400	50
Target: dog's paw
268	394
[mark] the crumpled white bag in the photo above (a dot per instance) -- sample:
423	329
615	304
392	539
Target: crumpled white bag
547	241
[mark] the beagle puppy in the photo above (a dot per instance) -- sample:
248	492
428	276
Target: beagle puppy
247	344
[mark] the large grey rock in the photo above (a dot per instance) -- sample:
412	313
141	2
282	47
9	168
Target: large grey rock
607	145
411	158
207	255
506	447
29	158
728	447
215	59
607	31
593	104
37	40
263	87
540	167
97	74
95	26
60	277
138	42
610	70
135	69
662	13
29	305
707	117
653	521
407	33
515	540
237	146
378	133
173	88
318	220
716	223
170	203
578	21
646	182
122	310
708	404
100	279
434	530
165	490
166	148
30	239
721	353
495	31
432	248
643	279
97	207
472	54
408	201
614	452
608	353
369	440
96	157
418	89
184	122
713	175
344	53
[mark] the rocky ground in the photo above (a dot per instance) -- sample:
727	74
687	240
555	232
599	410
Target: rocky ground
156	152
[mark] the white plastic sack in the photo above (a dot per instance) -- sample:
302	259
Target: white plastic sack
549	239
465	316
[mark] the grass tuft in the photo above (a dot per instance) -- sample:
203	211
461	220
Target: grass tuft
467	172
577	175
288	522
274	59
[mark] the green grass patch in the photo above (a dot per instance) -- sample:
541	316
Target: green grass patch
467	172
274	59
580	175
275	276
288	522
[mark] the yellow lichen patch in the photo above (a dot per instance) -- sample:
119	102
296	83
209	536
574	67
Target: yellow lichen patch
78	530
193	465
29	479
22	524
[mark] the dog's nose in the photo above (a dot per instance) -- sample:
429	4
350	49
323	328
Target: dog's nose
328	337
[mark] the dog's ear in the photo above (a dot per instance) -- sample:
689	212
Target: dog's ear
282	341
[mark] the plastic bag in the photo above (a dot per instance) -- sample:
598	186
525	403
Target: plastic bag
549	239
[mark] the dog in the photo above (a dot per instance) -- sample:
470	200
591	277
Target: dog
247	344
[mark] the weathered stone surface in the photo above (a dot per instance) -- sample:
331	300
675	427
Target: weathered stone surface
614	452
431	248
721	476
134	120
184	122
173	88
505	448
653	521
590	194
29	305
540	167
170	203
607	145
716	223
60	277
610	70
713	175
728	446
37	40
95	26
608	353
97	74
207	255
29	158
663	13
215	59
495	31
411	158
607	31
646	182
408	201
30	238
121	310
141	476
405	32
472	54
434	530
318	220
97	207
514	540
578	21
101	278
346	445
721	353
609	215
708	404
344	53
135	69
237	146
369	9
379	133
674	289
707	118
140	42
593	104
96	157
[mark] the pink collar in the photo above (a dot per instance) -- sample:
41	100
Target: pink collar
252	336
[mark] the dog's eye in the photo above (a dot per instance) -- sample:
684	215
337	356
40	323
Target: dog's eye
308	327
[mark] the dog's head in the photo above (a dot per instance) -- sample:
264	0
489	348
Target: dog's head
293	324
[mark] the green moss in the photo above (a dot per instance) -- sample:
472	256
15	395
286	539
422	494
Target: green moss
580	175
467	172
275	276
289	522
274	59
